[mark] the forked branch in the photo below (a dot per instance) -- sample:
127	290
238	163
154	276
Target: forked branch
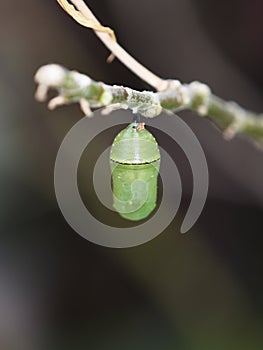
171	95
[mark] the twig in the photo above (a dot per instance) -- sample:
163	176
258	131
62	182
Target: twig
74	87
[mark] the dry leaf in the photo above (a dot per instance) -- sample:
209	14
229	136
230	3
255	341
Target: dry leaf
84	21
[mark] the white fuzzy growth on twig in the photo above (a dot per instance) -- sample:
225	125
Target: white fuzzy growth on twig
114	107
203	91
149	105
51	75
81	80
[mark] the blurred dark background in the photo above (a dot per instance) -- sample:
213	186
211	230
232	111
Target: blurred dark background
197	291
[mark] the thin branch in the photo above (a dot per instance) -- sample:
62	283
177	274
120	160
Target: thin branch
74	87
84	16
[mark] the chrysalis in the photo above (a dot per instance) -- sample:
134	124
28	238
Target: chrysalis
135	162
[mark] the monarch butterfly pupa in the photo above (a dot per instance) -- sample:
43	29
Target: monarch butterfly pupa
135	163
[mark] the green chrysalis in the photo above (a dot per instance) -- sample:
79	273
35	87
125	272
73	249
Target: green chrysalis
135	162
